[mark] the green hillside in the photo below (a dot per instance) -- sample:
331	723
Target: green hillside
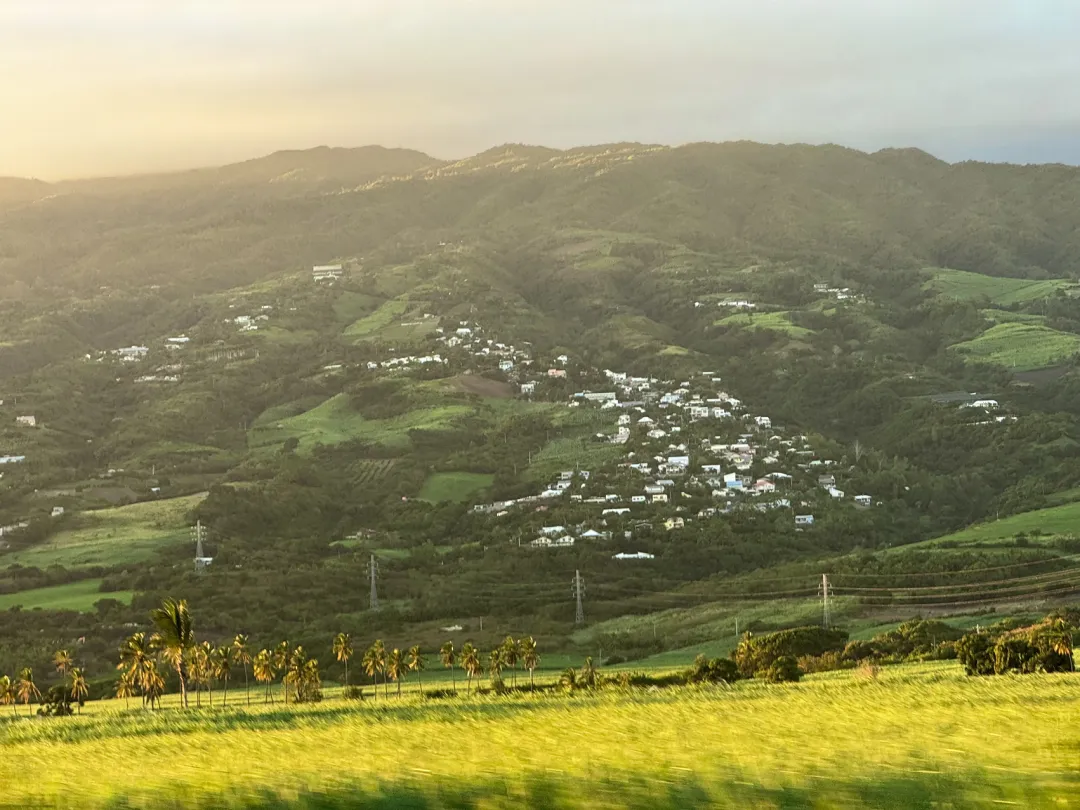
79	596
998	290
1020	346
1041	526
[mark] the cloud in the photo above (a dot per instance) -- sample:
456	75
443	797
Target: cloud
128	86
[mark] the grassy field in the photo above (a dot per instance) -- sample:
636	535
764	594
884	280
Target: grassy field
113	536
917	736
79	596
1002	291
776	321
1049	523
334	422
381	318
1020	346
568	453
1004	316
454	486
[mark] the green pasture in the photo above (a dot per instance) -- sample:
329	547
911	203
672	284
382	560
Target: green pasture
115	536
775	321
454	486
79	596
1020	346
1040	525
998	290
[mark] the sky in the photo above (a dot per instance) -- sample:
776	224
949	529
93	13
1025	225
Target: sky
126	86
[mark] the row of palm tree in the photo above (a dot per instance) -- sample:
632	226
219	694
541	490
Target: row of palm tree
23	689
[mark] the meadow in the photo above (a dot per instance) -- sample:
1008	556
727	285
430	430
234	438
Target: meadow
917	735
113	536
79	596
776	321
454	486
999	290
1020	346
1038	525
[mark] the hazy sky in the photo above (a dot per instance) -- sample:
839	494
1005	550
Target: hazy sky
134	85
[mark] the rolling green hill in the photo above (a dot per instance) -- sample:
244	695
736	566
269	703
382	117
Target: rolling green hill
1000	291
1020	346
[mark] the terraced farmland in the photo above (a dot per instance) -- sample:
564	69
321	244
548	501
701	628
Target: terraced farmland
1020	346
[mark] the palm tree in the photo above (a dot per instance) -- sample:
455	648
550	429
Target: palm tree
396	668
25	688
569	679
222	668
176	635
281	664
343	652
136	661
153	684
529	658
470	662
196	668
63	662
7	693
449	658
1060	640
242	655
416	664
495	666
264	671
589	677
79	689
125	688
294	674
511	652
310	683
375	663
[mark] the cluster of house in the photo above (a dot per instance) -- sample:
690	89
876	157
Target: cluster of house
401	362
839	293
327	272
470	337
250	323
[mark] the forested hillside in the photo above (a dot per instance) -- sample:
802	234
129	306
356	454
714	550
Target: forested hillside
805	325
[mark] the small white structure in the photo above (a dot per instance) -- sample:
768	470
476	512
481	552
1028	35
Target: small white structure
804	520
57	511
12	459
634	555
326	272
528	389
131	354
26	421
863	500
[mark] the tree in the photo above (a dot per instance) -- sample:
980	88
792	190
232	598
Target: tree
343	651
569	679
309	688
136	662
281	664
63	662
222	669
495	667
1059	637
511	654
589	676
448	658
529	658
125	688
79	689
264	671
396	668
470	662
25	687
294	672
416	664
154	685
242	656
375	664
198	667
785	668
7	693
175	636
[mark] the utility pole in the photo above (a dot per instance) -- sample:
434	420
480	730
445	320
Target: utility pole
579	593
373	568
825	600
198	532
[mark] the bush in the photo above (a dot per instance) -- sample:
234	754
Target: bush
784	669
826	662
859	651
716	670
976	653
439	694
757	654
1015	655
354	693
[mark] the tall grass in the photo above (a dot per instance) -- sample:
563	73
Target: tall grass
913	736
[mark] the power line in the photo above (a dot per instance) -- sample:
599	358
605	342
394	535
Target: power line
373	568
579	593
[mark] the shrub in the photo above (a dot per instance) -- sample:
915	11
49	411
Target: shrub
976	653
826	662
756	654
716	670
439	694
354	693
1015	655
868	670
859	651
783	670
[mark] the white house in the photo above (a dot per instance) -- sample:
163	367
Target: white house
836	493
660	498
326	272
863	500
553	531
26	421
804	520
12	459
733	481
637	499
506	365
653	489
57	511
764	485
763	421
591	534
131	354
528	389
562	359
699	412
635	555
618	510
678	461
